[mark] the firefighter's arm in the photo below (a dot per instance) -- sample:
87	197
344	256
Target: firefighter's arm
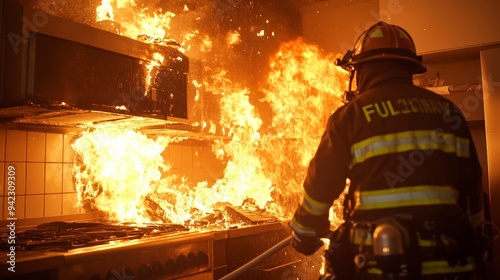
325	181
310	223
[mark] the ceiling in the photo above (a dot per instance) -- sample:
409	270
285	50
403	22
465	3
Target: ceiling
302	3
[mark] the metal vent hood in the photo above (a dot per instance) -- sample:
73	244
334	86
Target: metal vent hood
59	73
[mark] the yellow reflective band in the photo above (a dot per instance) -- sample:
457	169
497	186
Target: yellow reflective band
367	240
437	267
302	230
315	207
407	196
407	141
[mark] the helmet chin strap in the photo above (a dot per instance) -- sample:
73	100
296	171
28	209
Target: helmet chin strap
345	63
350	94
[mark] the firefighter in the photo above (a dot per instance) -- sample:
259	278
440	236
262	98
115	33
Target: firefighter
414	205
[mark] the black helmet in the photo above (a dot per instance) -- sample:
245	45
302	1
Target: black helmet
382	41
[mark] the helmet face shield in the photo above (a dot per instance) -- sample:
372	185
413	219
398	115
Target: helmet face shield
383	41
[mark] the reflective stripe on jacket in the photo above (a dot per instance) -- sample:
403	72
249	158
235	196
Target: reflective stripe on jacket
406	141
405	196
314	209
437	267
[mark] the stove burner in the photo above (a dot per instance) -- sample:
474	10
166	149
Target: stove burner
64	236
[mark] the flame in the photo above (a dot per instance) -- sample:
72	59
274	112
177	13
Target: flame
105	11
112	177
233	38
244	179
304	88
123	173
153	64
264	170
136	21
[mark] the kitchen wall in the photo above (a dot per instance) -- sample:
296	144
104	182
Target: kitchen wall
43	165
463	23
335	25
490	61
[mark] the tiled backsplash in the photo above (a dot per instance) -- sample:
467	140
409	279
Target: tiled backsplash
43	177
43	165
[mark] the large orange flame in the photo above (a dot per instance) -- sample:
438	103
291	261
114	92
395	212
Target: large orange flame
116	171
123	173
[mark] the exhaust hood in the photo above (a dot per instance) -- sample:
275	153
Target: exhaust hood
61	73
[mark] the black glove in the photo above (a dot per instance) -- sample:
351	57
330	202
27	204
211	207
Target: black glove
306	245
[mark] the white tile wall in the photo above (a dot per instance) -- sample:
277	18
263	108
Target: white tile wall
20	176
53	178
34	206
53	205
67	178
15	148
54	147
68	153
36	147
44	162
35	178
69	204
2	171
2	144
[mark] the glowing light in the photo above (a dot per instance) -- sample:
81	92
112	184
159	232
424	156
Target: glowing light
206	45
265	165
135	21
233	38
105	11
107	167
153	64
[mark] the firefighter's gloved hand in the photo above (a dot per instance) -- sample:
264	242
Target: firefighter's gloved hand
306	245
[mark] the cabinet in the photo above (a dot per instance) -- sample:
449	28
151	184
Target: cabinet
458	78
490	66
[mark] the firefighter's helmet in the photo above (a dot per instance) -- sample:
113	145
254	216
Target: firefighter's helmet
382	41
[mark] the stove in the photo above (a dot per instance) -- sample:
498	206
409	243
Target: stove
100	250
73	250
65	236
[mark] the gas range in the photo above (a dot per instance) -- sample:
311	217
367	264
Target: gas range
104	251
62	250
65	236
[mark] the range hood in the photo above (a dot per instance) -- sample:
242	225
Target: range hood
60	73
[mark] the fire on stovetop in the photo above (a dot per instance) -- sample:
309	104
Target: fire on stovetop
123	173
